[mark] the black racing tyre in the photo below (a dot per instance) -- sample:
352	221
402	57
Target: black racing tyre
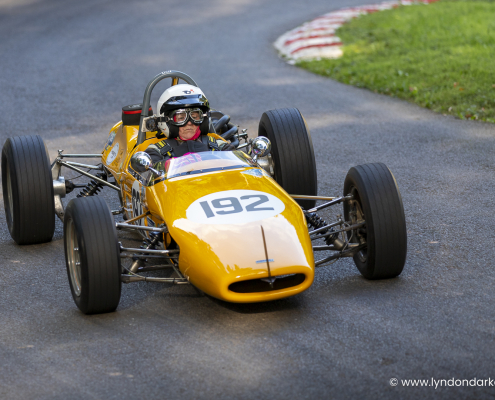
377	200
292	152
92	255
28	190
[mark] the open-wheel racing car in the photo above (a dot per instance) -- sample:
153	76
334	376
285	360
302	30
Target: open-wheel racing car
240	225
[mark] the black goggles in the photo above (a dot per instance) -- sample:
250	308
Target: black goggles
182	116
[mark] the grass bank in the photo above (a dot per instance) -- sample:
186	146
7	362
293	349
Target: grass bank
440	56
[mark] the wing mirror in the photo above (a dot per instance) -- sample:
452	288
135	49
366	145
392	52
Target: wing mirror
260	147
141	162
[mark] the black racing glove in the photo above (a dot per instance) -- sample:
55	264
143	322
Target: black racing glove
154	154
227	147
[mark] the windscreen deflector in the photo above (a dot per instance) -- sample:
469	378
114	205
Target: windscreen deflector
203	162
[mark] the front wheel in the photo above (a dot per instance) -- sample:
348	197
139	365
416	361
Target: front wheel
28	190
292	152
377	201
92	255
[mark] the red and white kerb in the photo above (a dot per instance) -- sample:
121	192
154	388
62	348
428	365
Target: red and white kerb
316	38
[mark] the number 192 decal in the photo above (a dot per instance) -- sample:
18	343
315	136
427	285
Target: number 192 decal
234	207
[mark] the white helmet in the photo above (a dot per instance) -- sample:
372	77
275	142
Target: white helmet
177	97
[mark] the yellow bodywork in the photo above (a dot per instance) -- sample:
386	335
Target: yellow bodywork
215	256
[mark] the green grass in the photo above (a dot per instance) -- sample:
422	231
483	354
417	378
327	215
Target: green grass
440	56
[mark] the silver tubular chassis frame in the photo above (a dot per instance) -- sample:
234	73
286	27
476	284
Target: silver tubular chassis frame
342	238
139	255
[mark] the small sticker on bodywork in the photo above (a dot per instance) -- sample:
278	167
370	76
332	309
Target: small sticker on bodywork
264	261
113	154
254	172
137	204
110	140
143	194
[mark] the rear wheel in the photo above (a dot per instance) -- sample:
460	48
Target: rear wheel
92	255
28	190
377	201
292	152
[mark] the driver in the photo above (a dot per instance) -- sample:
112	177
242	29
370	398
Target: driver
184	114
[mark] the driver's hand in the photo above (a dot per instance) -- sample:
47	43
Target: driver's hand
227	147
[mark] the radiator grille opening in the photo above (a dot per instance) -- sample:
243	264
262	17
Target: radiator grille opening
260	285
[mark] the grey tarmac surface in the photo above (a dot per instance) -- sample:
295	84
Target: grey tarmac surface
68	67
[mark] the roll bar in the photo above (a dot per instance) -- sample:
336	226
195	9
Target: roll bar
147	95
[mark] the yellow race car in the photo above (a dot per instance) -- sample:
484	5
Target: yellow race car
240	225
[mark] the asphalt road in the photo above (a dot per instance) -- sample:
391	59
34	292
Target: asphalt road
67	68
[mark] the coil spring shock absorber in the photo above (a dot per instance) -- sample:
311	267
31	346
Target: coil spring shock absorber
148	244
93	187
317	222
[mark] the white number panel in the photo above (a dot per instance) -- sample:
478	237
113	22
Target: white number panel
234	207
